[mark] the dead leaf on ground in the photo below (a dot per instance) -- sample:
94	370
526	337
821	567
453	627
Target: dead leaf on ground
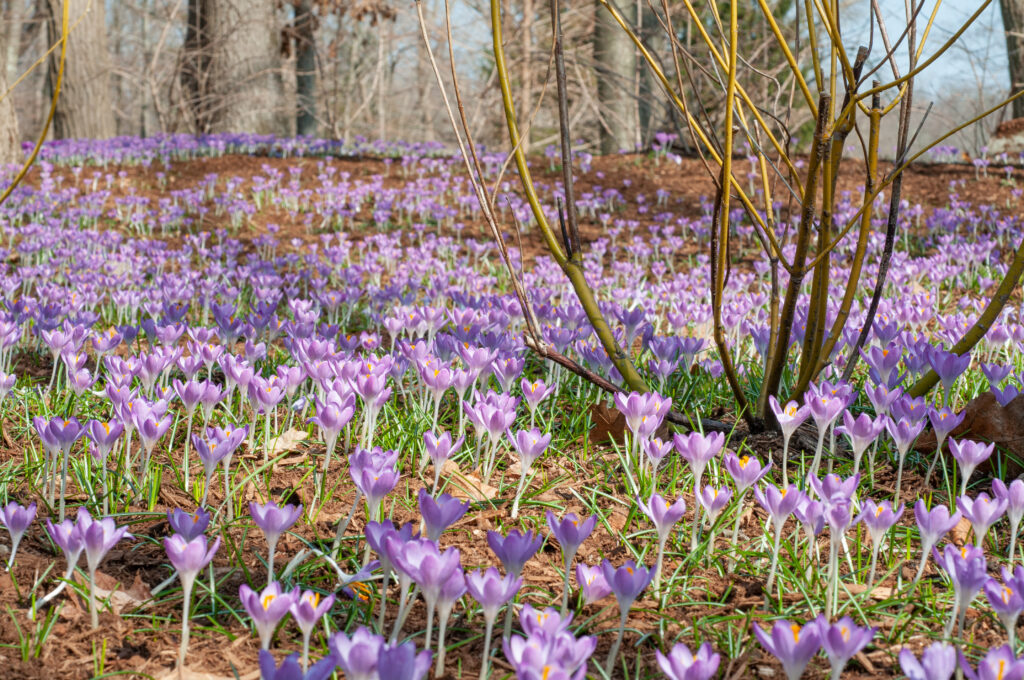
609	425
986	421
465	486
121	600
961	531
191	674
288	441
877	593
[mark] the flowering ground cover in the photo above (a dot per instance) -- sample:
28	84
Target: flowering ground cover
265	397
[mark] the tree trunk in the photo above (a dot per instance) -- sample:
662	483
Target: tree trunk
10	149
305	68
615	67
1013	29
84	109
230	67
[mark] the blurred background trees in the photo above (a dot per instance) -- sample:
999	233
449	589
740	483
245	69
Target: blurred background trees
339	68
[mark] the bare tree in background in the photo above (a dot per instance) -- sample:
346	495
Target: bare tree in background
304	32
230	66
9	147
84	108
1013	27
615	69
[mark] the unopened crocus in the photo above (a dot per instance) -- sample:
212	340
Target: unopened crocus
274	520
792	644
842	640
376	535
948	367
514	550
98	537
779	504
16	519
188	526
1014	495
932	525
307	609
664	515
357	655
441	513
682	664
1007	599
966	570
266	608
982	512
430	573
789	418
570	532
491	590
938	662
878	518
188	556
698	450
530	445
903	433
998	664
627	583
374	483
291	670
969	455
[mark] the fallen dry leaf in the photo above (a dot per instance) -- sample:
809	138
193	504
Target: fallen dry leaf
191	674
464	486
877	593
961	531
121	600
289	441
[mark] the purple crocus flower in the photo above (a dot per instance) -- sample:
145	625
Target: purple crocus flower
307	609
681	664
98	537
948	367
188	557
779	504
570	533
439	450
825	409
664	515
878	518
592	583
188	526
999	664
266	608
515	549
626	583
698	450
932	525
441	513
1007	599
644	413
357	655
862	432
402	662
491	590
938	662
534	393
274	520
969	455
966	570
373	482
714	500
842	640
291	670
656	450
982	513
530	445
1014	495
904	433
793	645
832	488
16	519
745	471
